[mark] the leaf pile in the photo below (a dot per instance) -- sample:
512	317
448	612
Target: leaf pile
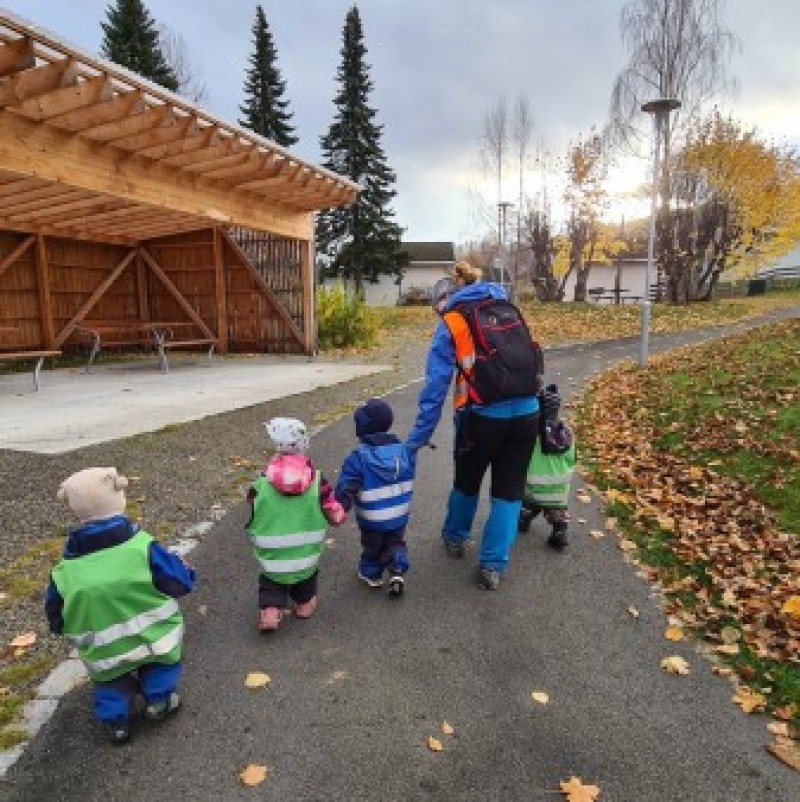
687	453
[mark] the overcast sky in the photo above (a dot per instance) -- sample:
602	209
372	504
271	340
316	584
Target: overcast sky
437	67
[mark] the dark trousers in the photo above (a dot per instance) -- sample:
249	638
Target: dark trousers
382	550
273	594
504	444
113	700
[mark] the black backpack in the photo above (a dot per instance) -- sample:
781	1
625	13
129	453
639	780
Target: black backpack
508	362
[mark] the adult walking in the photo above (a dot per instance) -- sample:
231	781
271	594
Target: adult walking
483	339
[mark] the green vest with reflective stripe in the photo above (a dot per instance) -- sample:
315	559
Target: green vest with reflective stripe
287	532
549	477
114	614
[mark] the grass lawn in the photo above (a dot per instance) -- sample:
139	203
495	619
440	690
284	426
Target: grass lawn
699	460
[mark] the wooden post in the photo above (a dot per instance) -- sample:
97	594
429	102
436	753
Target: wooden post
43	287
143	299
220	292
309	285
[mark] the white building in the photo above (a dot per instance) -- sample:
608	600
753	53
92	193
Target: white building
620	281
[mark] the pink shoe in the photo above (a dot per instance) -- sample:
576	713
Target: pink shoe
270	619
306	609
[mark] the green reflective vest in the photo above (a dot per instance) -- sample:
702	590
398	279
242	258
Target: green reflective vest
113	613
287	532
549	477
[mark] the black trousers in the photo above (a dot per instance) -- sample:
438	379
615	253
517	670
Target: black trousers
273	594
504	444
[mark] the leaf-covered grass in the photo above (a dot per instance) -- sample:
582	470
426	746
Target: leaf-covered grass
699	459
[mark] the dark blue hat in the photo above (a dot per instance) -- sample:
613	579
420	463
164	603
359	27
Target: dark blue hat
372	417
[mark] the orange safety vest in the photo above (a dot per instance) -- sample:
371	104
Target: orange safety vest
465	358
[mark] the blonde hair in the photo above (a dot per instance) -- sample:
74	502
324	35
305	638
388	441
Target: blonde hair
467	272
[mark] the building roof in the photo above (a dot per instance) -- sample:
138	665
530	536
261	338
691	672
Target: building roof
430	251
89	150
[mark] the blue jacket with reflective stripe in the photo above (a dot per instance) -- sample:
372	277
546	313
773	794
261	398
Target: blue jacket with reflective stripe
378	479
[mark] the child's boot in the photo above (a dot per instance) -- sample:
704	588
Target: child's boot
526	515
397	584
119	732
270	619
156	711
306	609
558	537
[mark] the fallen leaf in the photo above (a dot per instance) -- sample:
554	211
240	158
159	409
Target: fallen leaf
675	665
257	679
674	634
581	520
779	728
788	753
597	534
792	606
23	641
330	542
202	609
434	744
627	545
575	791
447	729
786	713
611	524
583	497
633	612
722	671
253	775
730	635
4	690
729	649
541	697
749	701
337	676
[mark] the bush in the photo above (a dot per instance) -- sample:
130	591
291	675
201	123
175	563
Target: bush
343	319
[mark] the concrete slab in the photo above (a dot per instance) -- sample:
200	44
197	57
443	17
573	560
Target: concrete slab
74	409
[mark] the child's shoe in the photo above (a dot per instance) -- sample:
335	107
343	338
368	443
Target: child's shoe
455	548
119	732
558	537
397	585
156	711
306	609
270	619
371	581
526	515
488	578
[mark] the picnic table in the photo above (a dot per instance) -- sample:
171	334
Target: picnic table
159	335
38	355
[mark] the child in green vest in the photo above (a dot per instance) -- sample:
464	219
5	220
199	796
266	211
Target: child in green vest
547	485
292	505
113	596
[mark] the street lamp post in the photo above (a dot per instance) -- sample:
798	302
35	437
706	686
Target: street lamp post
660	109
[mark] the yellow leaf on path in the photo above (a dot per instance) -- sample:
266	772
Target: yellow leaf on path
611	524
23	641
730	635
633	612
728	598
434	744
257	679
729	649
253	775
597	534
627	545
575	791
788	753
779	728
541	697
447	729
749	701
674	634
792	606
666	522
675	665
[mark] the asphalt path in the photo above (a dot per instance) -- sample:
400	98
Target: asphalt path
357	689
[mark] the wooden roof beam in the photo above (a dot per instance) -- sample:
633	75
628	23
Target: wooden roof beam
105	111
17	56
199	138
42	197
67	98
209	168
21	86
19	185
71	208
117	129
171	127
224	147
64	233
31	148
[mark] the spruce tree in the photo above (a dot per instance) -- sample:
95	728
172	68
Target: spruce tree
362	241
130	38
264	109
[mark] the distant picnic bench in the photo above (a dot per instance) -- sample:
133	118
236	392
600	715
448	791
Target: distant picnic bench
160	336
38	358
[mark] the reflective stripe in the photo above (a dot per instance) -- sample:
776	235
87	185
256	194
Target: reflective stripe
467	361
383	515
549	478
559	498
160	647
133	626
280	541
389	491
287	566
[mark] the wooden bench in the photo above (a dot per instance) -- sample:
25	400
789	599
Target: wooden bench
39	356
164	342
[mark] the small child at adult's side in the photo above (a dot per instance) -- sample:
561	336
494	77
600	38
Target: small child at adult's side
378	479
292	505
547	485
113	596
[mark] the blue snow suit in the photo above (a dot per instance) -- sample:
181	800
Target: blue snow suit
500	435
377	478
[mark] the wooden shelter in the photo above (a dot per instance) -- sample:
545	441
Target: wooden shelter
124	206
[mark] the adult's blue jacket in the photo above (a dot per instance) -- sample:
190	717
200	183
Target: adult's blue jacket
441	365
377	478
